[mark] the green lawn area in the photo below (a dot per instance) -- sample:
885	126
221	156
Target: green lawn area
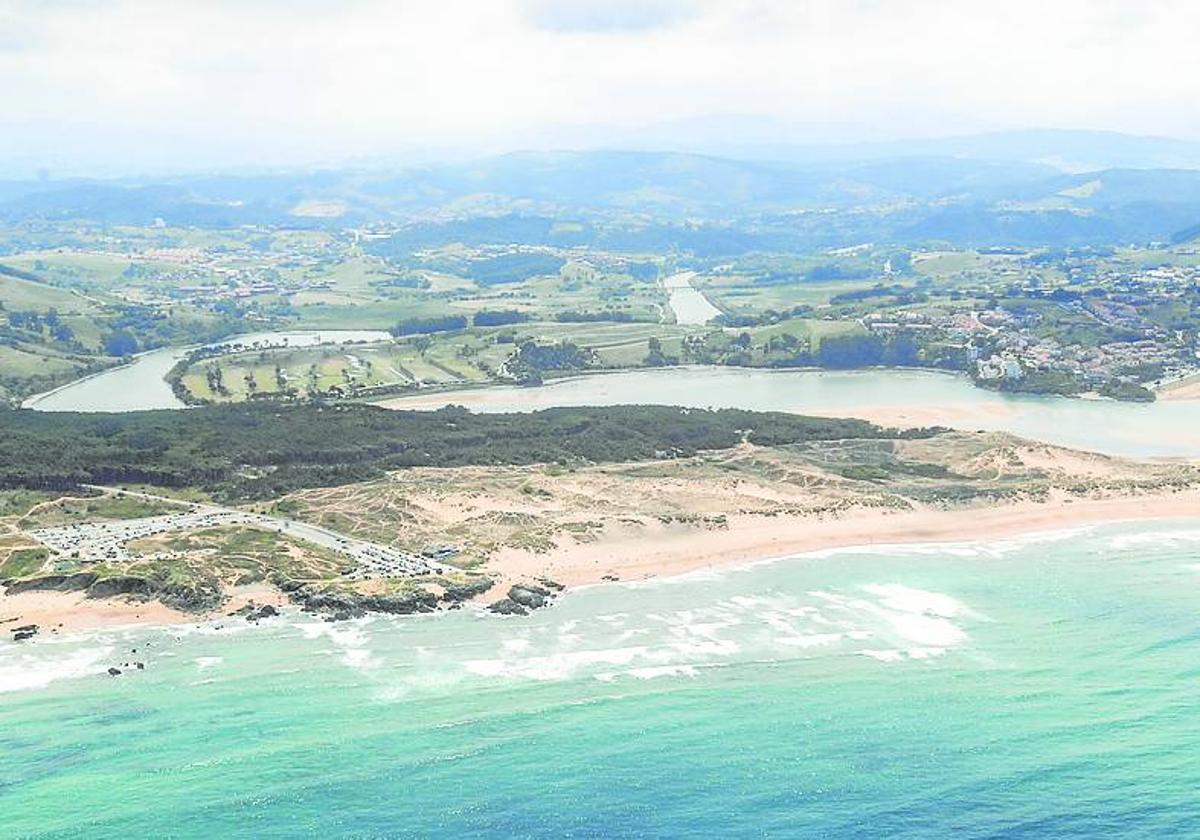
68	511
743	295
334	366
814	329
94	270
17	294
23	561
376	315
28	362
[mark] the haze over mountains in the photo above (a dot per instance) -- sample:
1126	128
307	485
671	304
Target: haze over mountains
1024	188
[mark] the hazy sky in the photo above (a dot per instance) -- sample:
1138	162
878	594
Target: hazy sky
150	83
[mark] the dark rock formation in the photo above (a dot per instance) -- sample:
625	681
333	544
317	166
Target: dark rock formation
507	606
254	613
198	597
530	596
344	605
459	592
52	583
525	597
416	601
112	586
27	631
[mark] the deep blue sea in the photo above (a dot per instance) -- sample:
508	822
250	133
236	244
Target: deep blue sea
1039	687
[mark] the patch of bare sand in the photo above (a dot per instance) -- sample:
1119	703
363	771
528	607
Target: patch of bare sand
661	550
967	417
1187	388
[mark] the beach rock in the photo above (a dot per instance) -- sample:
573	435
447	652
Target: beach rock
529	596
551	584
334	603
197	598
416	601
507	606
344	605
114	672
20	634
255	613
459	592
121	585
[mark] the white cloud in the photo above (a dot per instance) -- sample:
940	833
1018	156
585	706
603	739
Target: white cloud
608	15
271	81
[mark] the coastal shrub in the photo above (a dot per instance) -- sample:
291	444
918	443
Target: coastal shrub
262	450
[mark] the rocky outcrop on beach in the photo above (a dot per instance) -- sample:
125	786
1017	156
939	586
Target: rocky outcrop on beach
197	597
343	604
255	613
455	593
27	631
522	598
77	582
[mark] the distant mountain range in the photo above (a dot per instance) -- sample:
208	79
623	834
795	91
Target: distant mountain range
1066	150
994	189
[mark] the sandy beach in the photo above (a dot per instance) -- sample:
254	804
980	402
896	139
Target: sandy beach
964	416
666	550
1187	388
751	538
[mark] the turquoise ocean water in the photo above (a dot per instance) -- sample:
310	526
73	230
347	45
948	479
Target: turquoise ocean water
1039	687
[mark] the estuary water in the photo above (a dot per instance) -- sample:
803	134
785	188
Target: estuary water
895	397
688	303
1038	687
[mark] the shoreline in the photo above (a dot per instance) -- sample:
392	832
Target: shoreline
753	539
747	540
67	613
1182	389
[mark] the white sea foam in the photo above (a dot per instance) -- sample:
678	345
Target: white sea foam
23	671
663	671
883	655
553	666
205	662
915	615
814	640
1163	539
349	641
897	596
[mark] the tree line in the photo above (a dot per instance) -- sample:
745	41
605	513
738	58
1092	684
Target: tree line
259	450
